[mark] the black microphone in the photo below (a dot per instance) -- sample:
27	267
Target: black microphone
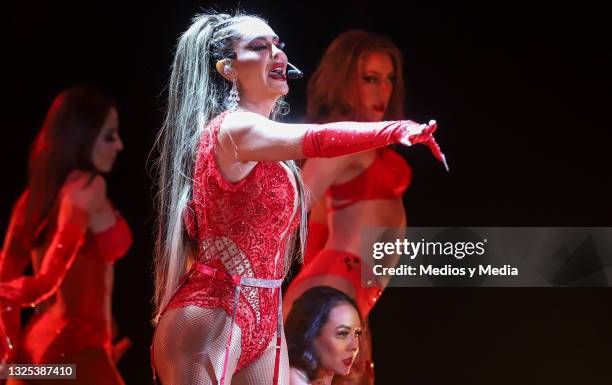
294	72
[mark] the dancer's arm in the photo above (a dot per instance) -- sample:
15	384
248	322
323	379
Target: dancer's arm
76	203
14	258
15	254
251	137
26	291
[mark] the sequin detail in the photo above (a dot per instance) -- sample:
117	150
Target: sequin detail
344	138
241	228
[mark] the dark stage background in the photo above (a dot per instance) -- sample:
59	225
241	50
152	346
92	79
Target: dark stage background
521	93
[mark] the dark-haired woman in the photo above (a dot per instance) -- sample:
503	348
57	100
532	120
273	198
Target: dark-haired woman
66	227
323	329
231	199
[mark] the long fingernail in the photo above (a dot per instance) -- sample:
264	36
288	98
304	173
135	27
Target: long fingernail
444	162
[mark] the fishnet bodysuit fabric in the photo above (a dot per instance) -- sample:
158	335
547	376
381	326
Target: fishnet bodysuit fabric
190	345
241	228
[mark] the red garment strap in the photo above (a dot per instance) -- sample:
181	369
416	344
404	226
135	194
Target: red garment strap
217	274
240	281
279	330
228	345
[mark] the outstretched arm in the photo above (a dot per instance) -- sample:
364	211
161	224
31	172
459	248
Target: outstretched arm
251	137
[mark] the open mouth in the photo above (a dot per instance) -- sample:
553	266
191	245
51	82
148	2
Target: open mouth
347	362
278	72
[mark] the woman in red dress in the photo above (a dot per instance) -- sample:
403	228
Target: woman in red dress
65	225
230	199
356	191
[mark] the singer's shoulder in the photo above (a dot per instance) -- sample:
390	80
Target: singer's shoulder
244	122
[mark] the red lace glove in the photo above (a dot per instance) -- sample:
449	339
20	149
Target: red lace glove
344	138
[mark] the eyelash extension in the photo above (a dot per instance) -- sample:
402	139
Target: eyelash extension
280	46
372	79
259	47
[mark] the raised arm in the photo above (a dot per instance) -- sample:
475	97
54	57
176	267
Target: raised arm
15	254
251	137
28	291
14	258
78	200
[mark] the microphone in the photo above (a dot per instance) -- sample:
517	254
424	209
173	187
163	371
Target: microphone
294	72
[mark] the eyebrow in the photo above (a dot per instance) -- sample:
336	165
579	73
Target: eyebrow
343	326
373	72
274	37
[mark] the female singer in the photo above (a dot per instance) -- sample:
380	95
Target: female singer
230	199
65	225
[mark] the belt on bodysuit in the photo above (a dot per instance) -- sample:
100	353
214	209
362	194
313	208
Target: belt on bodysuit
240	281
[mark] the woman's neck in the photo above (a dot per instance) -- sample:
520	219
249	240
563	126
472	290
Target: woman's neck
261	107
324	377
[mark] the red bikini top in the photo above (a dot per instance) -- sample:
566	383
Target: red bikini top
240	227
111	244
387	177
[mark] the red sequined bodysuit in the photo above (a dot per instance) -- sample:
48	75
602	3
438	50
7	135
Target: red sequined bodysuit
242	231
72	288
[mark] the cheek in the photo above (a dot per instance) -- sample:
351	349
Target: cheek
96	152
251	63
102	151
367	93
389	91
329	350
251	76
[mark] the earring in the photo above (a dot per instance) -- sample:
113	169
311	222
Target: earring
233	98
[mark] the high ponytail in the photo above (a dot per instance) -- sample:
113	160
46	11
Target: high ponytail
196	94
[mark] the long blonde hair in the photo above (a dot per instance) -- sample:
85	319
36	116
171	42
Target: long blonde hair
333	86
196	94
